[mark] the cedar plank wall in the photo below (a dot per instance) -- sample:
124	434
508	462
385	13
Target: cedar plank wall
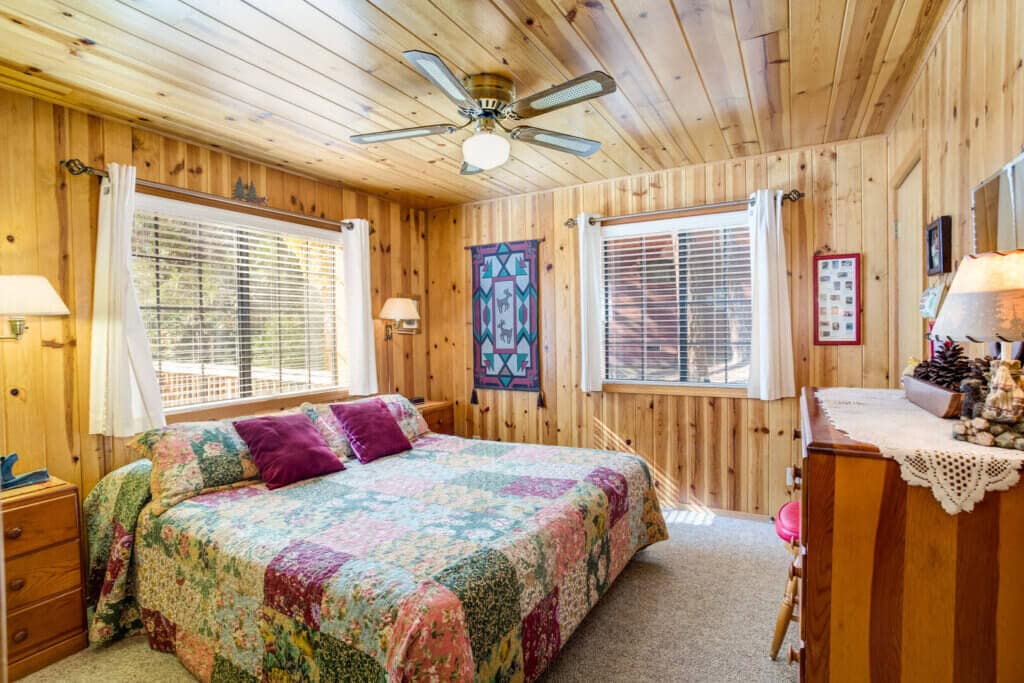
48	226
719	452
964	115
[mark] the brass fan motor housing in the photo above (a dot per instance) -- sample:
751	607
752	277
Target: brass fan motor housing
493	92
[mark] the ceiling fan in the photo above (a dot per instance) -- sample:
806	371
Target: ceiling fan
486	100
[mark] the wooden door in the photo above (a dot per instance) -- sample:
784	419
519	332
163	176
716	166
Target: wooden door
910	270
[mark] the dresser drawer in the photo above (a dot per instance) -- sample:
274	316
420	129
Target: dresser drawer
30	628
40	524
38	575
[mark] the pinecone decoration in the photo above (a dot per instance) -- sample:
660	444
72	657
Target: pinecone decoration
923	371
947	368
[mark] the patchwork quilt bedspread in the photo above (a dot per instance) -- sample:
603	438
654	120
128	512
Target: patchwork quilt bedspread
458	560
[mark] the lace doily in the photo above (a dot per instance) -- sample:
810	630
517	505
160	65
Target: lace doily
958	473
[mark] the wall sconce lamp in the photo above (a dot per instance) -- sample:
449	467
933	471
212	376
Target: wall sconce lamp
398	311
22	295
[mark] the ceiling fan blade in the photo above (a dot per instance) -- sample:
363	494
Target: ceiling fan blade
581	89
469	169
402	133
581	147
438	73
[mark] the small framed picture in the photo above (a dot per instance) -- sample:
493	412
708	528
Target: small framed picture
837	299
938	246
931	299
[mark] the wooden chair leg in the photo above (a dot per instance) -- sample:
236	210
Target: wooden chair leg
785	616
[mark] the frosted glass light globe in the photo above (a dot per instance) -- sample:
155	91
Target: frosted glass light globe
486	150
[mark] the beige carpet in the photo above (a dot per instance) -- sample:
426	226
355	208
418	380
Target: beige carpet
700	607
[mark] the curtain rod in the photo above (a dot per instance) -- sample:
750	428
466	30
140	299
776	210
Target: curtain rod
78	167
792	195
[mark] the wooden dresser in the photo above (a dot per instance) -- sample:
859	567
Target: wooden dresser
894	588
43	580
440	416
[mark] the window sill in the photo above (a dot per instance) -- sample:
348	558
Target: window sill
261	406
675	390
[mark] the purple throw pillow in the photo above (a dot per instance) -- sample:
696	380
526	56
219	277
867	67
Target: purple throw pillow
371	429
287	449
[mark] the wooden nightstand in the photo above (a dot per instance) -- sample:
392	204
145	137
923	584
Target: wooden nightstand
440	416
42	575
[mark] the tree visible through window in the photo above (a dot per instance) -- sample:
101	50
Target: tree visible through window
678	302
235	312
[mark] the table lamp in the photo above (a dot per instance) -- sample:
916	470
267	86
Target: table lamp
22	295
397	309
985	303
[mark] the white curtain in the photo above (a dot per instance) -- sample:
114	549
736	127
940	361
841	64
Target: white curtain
362	356
591	304
771	339
124	393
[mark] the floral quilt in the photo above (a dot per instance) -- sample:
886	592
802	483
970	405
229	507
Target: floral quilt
458	560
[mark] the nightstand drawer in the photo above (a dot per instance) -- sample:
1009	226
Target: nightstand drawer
38	575
27	629
39	524
440	421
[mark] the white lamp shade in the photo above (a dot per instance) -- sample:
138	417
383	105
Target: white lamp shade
986	300
399	309
486	150
22	295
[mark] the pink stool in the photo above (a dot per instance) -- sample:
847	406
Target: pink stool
787	522
787	526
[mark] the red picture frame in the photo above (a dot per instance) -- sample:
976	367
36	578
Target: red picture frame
837	300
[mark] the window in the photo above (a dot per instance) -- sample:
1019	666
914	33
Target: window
677	301
237	306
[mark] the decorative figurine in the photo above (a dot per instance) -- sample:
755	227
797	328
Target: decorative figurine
974	391
9	480
1005	402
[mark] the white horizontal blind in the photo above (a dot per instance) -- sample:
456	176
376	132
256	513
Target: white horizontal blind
233	311
677	301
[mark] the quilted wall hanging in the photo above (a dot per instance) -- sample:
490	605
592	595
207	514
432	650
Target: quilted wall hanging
505	317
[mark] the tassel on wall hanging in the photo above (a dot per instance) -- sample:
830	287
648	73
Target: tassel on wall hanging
506	344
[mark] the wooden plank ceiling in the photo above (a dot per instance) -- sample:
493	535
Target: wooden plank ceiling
288	82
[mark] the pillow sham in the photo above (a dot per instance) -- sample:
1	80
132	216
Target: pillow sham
142	443
405	413
371	429
192	457
287	449
326	424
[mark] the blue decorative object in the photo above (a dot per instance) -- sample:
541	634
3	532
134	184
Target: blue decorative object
8	480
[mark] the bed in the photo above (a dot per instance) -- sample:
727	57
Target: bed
457	560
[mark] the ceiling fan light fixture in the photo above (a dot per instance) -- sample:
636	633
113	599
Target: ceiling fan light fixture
486	150
486	99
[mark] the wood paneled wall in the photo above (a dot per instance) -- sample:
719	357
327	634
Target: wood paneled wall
48	226
964	116
719	451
